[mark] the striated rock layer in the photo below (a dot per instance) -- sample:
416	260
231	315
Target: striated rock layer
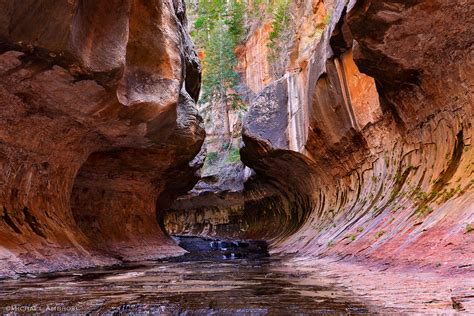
363	149
370	143
98	130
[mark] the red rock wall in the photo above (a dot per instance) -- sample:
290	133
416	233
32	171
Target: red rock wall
98	128
372	155
253	61
363	149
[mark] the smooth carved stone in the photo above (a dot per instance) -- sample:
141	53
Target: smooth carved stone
385	168
362	149
97	129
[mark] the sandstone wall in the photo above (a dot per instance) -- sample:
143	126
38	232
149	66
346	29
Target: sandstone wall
98	128
363	149
374	136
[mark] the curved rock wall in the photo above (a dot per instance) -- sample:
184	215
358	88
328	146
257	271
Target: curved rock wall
98	128
370	144
363	149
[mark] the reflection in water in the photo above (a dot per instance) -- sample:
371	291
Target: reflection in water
252	285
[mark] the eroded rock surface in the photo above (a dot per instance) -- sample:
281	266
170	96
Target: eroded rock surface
363	148
376	140
98	128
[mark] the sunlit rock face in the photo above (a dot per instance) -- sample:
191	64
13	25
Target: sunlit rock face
363	148
254	66
98	128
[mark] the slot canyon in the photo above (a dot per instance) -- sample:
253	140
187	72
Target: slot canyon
236	157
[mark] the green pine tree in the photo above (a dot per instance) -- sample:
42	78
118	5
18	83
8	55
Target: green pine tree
218	29
236	20
279	36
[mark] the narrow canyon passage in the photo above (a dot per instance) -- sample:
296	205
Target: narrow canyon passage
237	157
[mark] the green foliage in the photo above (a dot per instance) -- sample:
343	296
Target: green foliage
424	210
421	196
448	194
236	21
330	243
280	29
209	13
212	157
14	212
255	9
226	146
280	19
397	177
379	234
469	228
327	18
234	155
219	75
218	29
353	236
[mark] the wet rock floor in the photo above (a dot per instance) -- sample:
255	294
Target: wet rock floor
216	277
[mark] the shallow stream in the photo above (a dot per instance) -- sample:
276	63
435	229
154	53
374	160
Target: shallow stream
216	277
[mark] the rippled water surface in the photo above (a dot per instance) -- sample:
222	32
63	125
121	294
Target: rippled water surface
252	285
